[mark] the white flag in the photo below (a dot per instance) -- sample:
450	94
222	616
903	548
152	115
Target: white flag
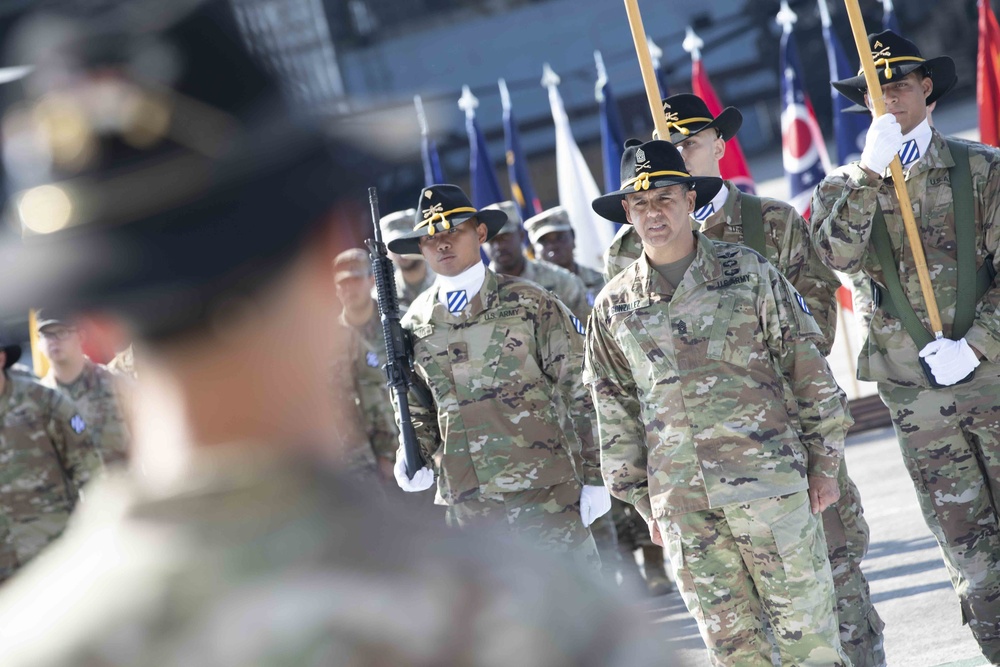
577	187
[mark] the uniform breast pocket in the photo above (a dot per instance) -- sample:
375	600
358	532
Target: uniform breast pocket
509	354
644	348
735	331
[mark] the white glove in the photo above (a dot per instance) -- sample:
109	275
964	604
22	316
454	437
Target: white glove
594	502
422	480
950	360
882	143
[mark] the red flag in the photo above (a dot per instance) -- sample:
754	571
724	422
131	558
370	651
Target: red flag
988	76
732	165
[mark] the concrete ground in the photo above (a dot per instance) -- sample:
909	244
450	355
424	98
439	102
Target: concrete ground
909	584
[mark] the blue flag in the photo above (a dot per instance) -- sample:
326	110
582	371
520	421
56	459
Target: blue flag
612	139
849	129
889	20
485	188
432	163
802	146
661	78
517	167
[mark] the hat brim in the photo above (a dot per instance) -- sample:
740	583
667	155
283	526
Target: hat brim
609	206
942	74
409	244
728	123
13	355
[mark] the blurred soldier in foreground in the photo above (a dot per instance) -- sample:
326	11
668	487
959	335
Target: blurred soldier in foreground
47	458
775	230
95	391
506	252
502	358
947	428
124	363
239	546
693	353
353	277
412	275
622	529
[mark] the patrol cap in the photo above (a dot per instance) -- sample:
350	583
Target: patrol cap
353	263
396	224
47	318
156	173
440	208
514	223
555	219
895	57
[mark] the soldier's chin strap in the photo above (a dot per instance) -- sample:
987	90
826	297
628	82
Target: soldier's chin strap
470	280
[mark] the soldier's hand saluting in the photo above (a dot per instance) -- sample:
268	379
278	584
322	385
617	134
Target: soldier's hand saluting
823	492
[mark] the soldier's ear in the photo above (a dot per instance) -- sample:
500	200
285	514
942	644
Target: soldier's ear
719	147
628	214
692	196
482	232
927	84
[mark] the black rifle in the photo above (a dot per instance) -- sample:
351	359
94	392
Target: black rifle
398	347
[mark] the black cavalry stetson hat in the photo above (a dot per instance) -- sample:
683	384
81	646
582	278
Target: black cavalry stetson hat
154	167
895	57
650	165
688	114
440	208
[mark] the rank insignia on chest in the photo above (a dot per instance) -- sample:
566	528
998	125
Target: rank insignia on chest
802	304
371	359
77	424
578	325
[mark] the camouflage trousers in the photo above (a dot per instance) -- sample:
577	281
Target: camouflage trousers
847	544
739	564
548	518
950	440
632	529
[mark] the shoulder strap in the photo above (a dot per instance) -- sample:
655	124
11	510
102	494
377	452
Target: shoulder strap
965	238
894	296
753	222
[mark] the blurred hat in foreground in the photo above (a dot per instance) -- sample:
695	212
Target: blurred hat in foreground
153	166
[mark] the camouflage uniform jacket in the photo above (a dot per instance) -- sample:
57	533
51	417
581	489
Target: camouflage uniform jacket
690	385
281	564
842	210
564	284
47	457
501	377
787	245
124	363
592	280
97	395
406	293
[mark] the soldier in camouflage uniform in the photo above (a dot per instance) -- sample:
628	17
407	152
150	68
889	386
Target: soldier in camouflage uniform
719	420
353	276
95	390
412	275
47	458
239	546
511	426
553	240
701	141
949	434
506	252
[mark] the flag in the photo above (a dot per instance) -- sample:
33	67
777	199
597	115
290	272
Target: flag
517	166
733	166
849	129
612	135
577	188
485	188
428	150
988	76
889	20
656	56
802	150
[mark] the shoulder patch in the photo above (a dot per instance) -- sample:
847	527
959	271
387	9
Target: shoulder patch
371	359
77	424
578	325
802	304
